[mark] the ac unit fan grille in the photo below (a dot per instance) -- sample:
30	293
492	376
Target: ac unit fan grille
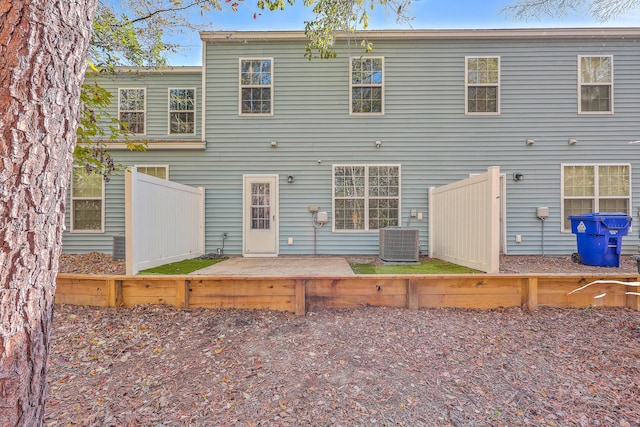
399	244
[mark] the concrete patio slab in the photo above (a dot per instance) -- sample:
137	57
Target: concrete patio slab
280	266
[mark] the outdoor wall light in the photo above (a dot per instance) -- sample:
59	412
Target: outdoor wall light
274	144
530	142
573	141
518	176
290	179
378	144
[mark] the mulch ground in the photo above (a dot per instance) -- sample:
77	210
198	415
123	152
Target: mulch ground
157	366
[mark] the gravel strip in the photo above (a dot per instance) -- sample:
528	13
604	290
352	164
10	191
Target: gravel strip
100	263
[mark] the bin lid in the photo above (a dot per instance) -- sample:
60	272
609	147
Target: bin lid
595	216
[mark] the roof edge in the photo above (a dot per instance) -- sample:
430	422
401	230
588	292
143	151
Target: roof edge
178	69
512	33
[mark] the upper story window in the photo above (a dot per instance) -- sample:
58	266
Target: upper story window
182	111
256	86
365	197
595	84
87	201
367	85
482	81
589	188
159	171
132	110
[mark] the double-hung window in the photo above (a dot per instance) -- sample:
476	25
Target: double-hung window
482	85
367	85
182	111
132	110
595	84
588	188
365	197
256	86
159	171
87	201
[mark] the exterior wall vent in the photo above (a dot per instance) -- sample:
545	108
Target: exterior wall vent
119	248
399	244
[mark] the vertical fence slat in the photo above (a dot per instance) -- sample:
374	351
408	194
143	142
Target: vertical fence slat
464	221
164	221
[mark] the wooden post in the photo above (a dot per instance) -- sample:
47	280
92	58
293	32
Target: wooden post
530	293
300	297
182	293
113	293
633	301
412	294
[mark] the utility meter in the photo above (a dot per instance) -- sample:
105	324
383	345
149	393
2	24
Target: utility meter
322	218
542	213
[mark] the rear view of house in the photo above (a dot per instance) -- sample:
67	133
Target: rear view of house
304	157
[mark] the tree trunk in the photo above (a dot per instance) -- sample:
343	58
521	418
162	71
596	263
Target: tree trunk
43	49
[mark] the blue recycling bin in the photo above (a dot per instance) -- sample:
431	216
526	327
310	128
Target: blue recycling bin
599	237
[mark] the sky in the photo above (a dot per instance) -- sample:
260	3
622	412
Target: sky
428	14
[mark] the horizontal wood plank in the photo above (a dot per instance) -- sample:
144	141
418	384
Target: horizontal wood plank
465	301
79	299
356	286
353	301
258	302
133	300
213	288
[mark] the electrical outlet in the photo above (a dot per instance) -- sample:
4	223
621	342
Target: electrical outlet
518	238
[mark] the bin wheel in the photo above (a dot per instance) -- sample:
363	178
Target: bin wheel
576	258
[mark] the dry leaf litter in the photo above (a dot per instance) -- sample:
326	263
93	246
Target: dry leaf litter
158	366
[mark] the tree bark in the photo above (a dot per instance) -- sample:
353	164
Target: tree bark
43	49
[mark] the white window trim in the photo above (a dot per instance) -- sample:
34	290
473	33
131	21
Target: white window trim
467	85
366	197
166	167
240	86
144	89
596	197
611	101
102	198
381	85
194	111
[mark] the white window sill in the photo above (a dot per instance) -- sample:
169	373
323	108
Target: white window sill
158	145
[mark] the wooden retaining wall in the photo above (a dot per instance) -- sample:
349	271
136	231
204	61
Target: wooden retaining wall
299	294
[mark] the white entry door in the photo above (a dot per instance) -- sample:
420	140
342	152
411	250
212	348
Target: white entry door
260	215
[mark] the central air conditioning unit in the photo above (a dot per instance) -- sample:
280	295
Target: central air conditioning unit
399	244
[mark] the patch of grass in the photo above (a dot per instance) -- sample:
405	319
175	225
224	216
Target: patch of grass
426	266
182	267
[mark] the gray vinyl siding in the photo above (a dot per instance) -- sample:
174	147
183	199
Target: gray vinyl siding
424	130
157	84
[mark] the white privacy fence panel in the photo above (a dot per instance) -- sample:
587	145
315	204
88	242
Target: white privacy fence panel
164	221
464	221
